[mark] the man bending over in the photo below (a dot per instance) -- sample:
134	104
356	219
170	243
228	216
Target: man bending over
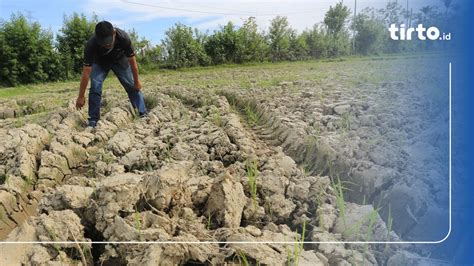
109	49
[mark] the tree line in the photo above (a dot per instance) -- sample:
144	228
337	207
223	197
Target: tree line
31	54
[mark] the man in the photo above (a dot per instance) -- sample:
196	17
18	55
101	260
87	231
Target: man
109	48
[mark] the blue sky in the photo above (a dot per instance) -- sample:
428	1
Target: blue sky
151	18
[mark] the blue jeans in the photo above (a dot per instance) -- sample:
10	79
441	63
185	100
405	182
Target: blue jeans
125	76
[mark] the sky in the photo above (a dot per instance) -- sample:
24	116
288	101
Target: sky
151	18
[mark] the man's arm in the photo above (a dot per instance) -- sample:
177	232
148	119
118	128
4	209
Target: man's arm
86	72
133	64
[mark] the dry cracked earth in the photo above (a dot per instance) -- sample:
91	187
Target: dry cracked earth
295	162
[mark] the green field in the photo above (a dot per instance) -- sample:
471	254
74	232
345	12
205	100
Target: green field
350	72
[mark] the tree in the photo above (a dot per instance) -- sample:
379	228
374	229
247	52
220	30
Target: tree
214	49
336	35
182	48
298	47
148	56
141	45
279	38
155	55
369	33
392	13
71	41
251	45
222	45
336	18
27	54
317	41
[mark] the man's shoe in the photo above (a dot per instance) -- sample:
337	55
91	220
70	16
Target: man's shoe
143	115
89	129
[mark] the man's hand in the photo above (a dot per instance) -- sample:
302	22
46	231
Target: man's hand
138	85
133	64
80	102
86	71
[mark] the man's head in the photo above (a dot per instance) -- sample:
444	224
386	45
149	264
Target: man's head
105	34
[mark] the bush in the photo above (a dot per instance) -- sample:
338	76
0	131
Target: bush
336	18
183	48
229	45
148	57
71	41
251	44
222	45
317	42
27	54
338	40
298	47
370	33
279	39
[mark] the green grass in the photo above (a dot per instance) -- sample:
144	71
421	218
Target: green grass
138	224
298	247
340	202
266	75
252	173
44	88
389	225
345	122
349	70
216	117
370	228
250	115
150	101
319	212
243	259
348	73
389	221
209	221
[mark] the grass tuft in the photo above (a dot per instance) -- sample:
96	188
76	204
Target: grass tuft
252	173
298	248
138	224
251	115
150	101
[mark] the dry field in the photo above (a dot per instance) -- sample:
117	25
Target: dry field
344	150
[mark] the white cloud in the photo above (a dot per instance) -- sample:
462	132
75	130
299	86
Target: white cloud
208	15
